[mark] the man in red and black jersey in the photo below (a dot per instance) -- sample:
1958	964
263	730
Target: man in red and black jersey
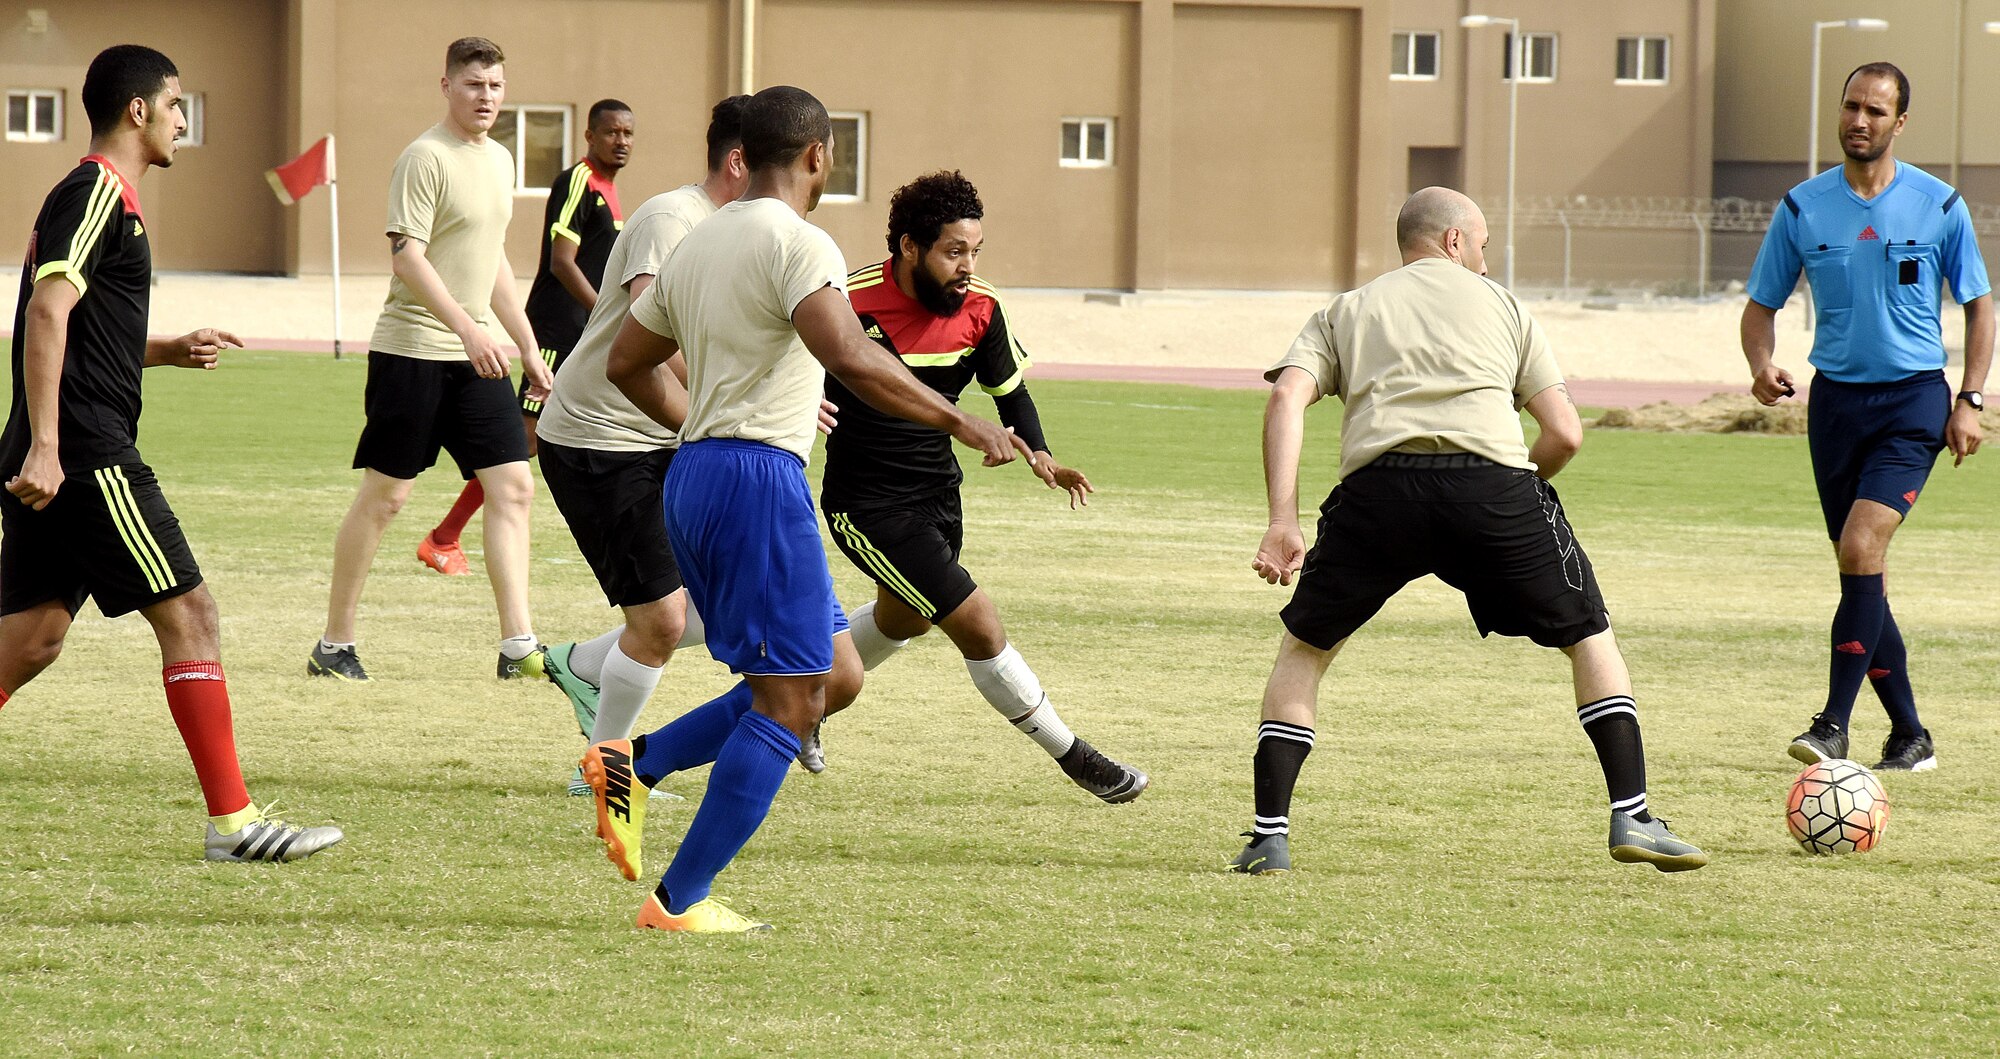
82	514
579	225
891	486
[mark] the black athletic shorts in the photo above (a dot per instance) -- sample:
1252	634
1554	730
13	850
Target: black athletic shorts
554	359
612	503
1497	534
108	535
415	407
910	549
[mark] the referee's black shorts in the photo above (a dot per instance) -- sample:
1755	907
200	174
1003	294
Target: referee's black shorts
109	534
911	550
612	503
416	407
1497	534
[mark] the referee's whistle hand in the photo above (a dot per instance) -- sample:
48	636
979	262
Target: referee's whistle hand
1771	385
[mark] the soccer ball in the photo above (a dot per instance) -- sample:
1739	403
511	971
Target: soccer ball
1837	807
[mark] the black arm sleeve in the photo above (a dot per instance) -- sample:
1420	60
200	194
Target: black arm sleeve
1017	410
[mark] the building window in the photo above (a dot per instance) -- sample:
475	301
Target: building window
538	138
1538	58
34	115
195	109
849	180
1087	142
1642	60
1413	57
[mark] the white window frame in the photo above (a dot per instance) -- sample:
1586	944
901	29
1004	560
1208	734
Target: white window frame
860	120
194	107
1666	44
50	97
516	112
1520	43
1409	54
1083	160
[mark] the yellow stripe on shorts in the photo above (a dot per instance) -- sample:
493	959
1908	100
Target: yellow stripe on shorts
132	528
879	565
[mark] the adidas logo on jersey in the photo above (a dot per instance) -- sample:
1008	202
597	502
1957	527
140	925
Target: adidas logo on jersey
1869	233
874	331
138	229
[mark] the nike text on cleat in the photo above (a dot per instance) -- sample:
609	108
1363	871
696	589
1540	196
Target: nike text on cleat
268	838
531	666
711	915
340	665
1651	843
448	559
1109	780
582	693
1908	753
812	752
621	818
1825	740
1265	855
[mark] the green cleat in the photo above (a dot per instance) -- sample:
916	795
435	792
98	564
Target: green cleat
1266	855
1651	843
582	693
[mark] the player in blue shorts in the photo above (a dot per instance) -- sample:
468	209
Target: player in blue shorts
755	299
1875	239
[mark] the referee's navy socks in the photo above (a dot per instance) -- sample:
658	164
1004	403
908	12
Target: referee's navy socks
1857	631
1888	671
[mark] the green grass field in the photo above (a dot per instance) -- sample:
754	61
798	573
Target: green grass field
941	889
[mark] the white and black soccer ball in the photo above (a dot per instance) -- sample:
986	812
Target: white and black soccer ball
1837	806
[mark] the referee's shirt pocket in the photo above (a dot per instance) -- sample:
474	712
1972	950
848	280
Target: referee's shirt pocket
1913	273
1826	270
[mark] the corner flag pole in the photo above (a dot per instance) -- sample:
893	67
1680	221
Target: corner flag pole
333	202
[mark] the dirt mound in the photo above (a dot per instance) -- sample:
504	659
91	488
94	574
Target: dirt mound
1724	413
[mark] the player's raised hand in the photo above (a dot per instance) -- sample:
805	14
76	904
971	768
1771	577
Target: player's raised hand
826	420
1963	432
1772	384
1057	476
1281	554
540	379
202	348
41	476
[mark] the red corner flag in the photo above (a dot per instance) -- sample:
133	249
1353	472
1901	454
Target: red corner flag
302	174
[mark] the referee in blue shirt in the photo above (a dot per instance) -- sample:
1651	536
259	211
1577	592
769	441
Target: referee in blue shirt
1876	238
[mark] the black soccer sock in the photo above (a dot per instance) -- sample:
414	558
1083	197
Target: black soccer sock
1857	630
1281	752
1889	672
1613	727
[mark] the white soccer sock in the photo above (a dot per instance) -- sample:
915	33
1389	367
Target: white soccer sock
587	658
696	633
519	647
1012	688
329	647
873	646
621	694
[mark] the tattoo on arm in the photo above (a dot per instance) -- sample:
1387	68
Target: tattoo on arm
1567	396
397	243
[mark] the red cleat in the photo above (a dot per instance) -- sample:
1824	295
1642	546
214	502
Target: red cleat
447	559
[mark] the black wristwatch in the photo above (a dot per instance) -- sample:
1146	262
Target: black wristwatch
1974	398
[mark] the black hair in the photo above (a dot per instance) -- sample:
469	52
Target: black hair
921	208
471	51
119	75
779	123
604	106
725	129
1884	69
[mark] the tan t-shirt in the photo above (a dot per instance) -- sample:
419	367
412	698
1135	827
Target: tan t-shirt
1429	358
585	410
727	296
457	197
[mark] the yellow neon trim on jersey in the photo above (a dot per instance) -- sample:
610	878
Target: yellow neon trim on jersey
879	566
853	286
132	529
865	271
1013	382
579	179
67	271
96	212
559	230
934	360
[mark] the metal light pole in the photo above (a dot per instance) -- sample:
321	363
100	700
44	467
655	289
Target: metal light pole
1513	115
1958	94
1812	109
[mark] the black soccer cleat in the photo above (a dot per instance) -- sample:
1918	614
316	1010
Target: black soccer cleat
1908	753
1824	741
1109	780
1265	855
340	665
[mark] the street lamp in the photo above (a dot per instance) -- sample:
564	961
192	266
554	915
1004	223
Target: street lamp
1865	24
1513	114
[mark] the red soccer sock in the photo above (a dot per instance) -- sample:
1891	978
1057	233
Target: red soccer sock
3	696
199	700
446	533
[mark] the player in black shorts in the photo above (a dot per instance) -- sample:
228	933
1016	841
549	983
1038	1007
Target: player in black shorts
579	225
891	487
1433	364
82	515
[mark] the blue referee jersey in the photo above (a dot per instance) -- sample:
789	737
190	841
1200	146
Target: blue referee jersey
1875	266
